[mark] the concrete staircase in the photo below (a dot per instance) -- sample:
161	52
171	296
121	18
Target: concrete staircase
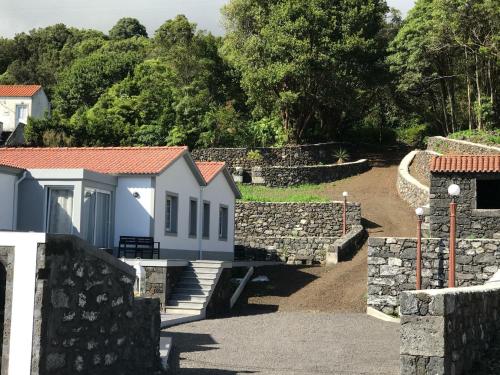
192	293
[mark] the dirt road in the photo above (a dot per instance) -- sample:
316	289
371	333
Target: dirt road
343	286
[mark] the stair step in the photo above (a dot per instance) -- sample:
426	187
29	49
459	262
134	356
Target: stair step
202	271
182	310
189	297
205	265
202	276
193	291
196	282
185	304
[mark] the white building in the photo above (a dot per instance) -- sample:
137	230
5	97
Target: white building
102	194
18	102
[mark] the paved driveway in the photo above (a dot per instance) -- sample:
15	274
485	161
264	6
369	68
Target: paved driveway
286	343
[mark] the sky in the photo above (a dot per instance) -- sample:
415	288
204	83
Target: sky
19	16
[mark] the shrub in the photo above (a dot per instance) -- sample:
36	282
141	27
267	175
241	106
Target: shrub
342	155
491	137
414	136
254	155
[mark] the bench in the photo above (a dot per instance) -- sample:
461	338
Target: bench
139	246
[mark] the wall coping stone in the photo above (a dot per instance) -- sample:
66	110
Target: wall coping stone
404	171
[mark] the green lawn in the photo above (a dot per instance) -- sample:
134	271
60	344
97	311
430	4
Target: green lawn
300	193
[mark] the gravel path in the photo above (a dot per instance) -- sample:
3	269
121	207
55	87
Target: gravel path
286	343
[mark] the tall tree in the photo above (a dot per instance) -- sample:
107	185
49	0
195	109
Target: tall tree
127	28
307	61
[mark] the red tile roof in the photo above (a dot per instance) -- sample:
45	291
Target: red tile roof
209	169
110	160
19	90
466	163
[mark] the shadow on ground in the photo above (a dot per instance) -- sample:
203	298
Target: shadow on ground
176	358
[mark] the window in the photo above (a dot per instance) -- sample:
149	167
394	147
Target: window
223	222
193	217
206	219
60	211
97	217
171	208
488	194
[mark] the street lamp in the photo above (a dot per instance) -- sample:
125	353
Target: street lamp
454	192
345	194
420	213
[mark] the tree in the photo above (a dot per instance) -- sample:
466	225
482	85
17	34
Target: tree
127	28
306	61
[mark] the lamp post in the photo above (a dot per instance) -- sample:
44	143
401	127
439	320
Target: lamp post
420	213
453	191
345	194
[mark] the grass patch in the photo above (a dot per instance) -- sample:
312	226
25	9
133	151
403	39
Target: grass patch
487	137
300	193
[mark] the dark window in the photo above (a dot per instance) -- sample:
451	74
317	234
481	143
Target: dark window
488	194
171	214
193	213
206	219
223	222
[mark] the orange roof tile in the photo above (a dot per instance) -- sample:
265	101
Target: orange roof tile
19	90
110	160
466	163
209	169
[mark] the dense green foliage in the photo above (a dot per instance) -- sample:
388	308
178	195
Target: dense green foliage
489	137
287	71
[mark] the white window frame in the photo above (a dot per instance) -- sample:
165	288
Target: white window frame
205	237
85	190
48	188
190	218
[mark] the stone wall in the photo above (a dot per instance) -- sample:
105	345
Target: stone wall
280	176
420	166
273	156
160	281
444	145
90	321
293	230
409	188
346	246
392	267
7	264
446	331
471	223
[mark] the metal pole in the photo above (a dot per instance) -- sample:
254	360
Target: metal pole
451	271
344	217
419	253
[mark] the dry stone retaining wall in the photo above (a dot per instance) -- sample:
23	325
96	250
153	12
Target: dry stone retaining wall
392	267
444	145
446	331
421	163
409	188
293	229
280	176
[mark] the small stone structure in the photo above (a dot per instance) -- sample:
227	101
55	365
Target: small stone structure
446	331
293	229
392	267
85	317
279	176
478	205
444	145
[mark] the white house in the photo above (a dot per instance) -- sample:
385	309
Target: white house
18	102
101	194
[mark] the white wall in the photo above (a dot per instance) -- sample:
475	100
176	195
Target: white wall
23	298
219	192
7	187
37	105
133	216
178	179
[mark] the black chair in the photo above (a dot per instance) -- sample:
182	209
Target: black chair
139	246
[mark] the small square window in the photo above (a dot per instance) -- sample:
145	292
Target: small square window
488	194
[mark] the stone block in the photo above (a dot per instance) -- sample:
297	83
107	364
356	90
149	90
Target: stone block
422	336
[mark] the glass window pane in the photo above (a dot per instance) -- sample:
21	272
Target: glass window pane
193	213
206	220
60	215
89	202
102	220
